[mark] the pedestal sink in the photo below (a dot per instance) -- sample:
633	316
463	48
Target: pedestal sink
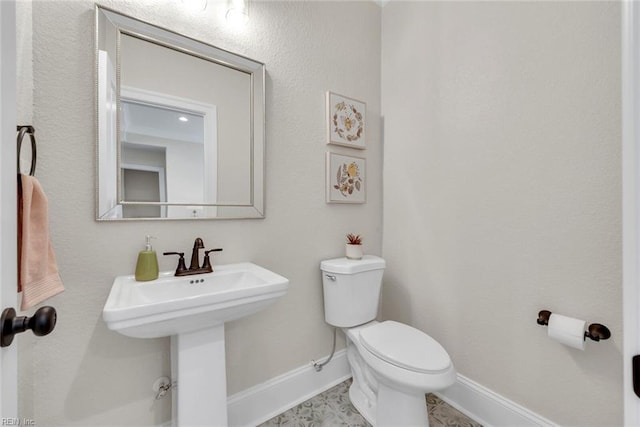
192	311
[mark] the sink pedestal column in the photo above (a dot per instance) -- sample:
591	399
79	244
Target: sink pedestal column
198	366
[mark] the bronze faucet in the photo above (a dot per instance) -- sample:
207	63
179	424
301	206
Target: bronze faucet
195	254
195	267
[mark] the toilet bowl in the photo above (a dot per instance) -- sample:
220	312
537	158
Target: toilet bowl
393	364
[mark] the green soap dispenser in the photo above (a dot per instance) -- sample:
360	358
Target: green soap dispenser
147	266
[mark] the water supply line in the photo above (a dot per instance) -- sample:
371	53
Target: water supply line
318	366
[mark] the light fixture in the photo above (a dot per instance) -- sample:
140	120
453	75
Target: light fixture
237	12
195	5
183	119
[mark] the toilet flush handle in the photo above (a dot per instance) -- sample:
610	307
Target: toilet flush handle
330	277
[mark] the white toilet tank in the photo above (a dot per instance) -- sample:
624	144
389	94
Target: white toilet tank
351	290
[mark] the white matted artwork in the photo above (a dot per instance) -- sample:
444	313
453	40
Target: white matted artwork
346	179
346	119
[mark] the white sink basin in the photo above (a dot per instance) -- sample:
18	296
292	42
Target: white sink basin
173	305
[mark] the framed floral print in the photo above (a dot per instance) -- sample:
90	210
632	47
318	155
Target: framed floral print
346	179
346	121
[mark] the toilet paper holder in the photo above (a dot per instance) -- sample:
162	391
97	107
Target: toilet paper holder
596	331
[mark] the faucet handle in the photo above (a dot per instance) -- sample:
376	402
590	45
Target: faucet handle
206	264
181	266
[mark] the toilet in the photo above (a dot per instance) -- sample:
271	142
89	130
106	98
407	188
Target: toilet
393	365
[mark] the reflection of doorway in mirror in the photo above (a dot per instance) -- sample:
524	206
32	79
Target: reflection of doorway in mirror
186	131
142	184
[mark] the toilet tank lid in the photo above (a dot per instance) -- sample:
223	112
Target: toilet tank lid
351	266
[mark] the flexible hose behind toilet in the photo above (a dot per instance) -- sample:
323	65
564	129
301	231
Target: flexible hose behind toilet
318	366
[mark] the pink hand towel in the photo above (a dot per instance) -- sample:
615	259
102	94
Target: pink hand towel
38	277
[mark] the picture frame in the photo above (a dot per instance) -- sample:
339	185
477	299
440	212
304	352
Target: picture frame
346	121
346	179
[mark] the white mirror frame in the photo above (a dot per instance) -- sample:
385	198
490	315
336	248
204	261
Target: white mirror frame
108	199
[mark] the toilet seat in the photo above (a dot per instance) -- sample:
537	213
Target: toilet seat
405	347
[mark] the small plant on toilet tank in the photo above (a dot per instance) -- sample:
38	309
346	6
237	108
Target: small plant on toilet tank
354	246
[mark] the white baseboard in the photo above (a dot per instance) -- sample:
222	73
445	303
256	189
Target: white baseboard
489	408
264	401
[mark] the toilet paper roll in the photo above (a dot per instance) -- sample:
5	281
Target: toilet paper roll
567	330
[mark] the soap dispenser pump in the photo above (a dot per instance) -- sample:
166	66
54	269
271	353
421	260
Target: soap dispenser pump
147	265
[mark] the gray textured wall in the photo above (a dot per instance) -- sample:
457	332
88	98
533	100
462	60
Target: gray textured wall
502	192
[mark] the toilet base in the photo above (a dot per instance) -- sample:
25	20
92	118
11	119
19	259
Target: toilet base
399	409
392	408
358	399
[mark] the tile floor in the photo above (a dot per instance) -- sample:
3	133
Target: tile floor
333	408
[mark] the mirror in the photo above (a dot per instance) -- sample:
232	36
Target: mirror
180	125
